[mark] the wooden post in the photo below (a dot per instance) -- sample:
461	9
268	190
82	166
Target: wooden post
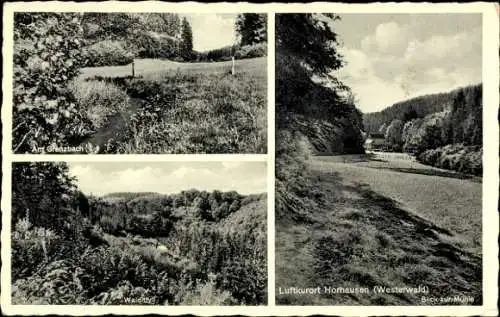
133	69
232	69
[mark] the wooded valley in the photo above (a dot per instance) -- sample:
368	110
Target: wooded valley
191	248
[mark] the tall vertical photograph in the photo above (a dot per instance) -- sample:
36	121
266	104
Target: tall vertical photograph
379	159
139	83
139	233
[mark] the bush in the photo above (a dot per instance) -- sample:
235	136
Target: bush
252	51
44	112
99	100
208	294
31	248
107	53
456	157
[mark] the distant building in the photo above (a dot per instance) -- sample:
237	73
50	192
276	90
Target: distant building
375	141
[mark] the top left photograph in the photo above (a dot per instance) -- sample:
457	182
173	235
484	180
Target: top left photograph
139	83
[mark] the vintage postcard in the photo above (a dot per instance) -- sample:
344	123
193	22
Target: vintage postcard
250	159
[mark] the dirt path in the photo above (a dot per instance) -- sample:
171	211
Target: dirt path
365	235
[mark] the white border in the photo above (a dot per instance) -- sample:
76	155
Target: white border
491	161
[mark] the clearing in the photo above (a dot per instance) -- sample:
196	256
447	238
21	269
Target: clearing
384	220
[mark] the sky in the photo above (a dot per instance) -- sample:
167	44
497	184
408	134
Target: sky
393	57
212	31
100	178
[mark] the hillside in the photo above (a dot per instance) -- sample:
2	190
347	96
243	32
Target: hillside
413	108
190	248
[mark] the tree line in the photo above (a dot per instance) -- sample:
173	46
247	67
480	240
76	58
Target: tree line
443	130
145	35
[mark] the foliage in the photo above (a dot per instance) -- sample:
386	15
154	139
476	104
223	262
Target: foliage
394	135
435	135
146	35
465	104
306	91
252	51
44	190
217	55
458	157
252	27
186	45
47	54
208	294
107	53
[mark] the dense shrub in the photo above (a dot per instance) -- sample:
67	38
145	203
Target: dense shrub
457	157
47	54
107	53
252	51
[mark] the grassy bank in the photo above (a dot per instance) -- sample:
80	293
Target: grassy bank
174	107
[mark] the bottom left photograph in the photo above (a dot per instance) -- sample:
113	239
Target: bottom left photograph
139	233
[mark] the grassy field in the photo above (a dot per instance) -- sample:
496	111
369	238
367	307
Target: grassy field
383	222
175	107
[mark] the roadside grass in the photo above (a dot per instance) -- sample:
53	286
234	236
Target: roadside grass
186	108
360	238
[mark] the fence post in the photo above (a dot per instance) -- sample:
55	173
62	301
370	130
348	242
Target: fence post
133	69
232	69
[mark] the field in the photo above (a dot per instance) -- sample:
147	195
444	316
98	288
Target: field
172	107
384	220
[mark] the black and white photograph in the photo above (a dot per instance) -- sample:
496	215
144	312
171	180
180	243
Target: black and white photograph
379	159
139	83
139	233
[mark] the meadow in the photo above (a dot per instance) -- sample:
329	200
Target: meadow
132	83
383	222
171	107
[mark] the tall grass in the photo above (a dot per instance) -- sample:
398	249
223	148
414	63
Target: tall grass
202	113
99	100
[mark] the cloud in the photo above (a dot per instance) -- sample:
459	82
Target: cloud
389	38
392	64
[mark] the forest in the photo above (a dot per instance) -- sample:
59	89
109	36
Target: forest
443	130
65	94
190	248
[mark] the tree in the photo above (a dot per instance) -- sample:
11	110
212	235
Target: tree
410	115
45	191
252	28
186	40
308	38
394	135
